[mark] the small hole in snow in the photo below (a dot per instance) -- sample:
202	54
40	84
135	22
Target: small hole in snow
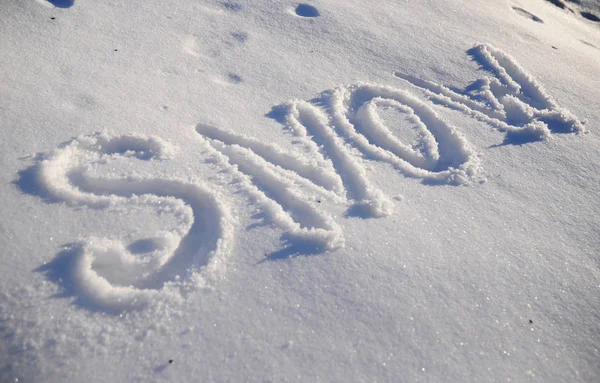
62	3
231	6
590	16
558	3
234	78
305	10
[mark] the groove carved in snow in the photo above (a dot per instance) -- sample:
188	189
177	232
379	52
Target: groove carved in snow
104	272
339	131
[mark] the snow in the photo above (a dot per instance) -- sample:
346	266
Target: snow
278	191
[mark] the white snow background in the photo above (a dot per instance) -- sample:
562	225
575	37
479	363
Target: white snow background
402	191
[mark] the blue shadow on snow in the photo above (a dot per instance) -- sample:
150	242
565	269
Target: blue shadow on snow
62	3
58	271
294	248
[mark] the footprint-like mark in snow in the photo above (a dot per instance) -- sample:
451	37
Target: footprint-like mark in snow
307	10
111	275
240	37
527	14
234	78
511	101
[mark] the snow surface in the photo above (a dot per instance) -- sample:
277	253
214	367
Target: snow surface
278	191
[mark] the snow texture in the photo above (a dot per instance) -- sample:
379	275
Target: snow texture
279	191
